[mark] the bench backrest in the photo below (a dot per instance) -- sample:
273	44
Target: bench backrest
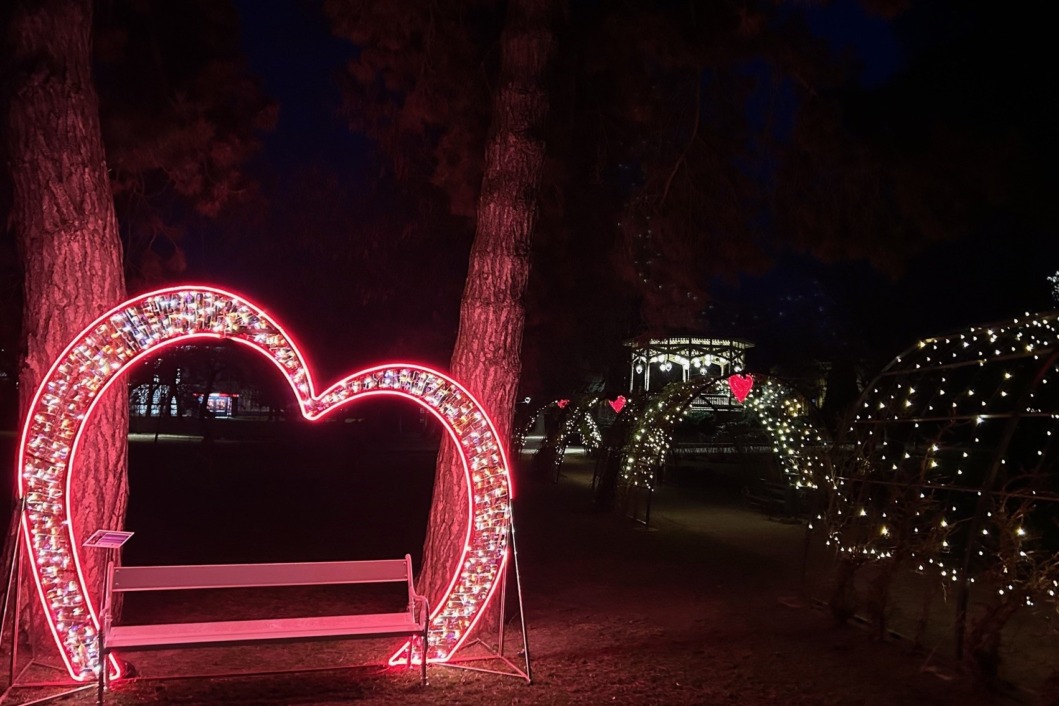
199	576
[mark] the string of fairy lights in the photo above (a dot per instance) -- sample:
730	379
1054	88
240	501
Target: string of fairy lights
523	430
117	339
645	451
948	464
782	412
798	442
577	423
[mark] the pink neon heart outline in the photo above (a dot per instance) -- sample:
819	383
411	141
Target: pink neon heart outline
740	385
153	321
562	403
617	404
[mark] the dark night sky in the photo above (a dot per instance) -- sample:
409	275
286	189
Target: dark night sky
295	55
996	272
847	27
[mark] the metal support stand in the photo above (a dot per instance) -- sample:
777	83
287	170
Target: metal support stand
631	505
13	604
510	669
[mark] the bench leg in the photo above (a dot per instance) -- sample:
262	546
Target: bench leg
423	666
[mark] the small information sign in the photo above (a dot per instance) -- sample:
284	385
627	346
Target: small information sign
107	539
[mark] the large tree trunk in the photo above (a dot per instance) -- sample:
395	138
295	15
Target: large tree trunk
487	356
63	218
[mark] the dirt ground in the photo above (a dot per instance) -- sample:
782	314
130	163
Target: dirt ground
713	604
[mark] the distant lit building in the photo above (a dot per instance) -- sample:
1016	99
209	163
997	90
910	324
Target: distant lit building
221	404
659	361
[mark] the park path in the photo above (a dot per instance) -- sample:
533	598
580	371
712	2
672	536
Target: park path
714	603
707	606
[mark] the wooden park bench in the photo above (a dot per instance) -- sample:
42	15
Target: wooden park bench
121	579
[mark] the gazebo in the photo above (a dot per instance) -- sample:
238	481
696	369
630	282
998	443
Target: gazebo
654	360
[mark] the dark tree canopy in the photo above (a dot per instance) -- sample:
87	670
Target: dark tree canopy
691	147
653	151
419	84
181	117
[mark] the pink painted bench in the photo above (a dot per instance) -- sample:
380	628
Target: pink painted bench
121	579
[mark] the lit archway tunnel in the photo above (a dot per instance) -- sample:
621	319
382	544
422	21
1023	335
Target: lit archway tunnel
574	421
797	439
948	466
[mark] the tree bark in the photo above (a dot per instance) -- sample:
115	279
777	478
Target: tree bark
69	246
487	355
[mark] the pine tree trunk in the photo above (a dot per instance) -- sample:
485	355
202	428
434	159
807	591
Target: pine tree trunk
487	356
63	217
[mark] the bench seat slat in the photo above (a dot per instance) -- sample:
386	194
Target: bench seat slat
381	624
155	578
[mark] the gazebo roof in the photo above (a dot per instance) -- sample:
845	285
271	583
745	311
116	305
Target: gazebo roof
689	346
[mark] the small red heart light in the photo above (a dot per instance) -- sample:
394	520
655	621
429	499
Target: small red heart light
617	404
562	403
740	386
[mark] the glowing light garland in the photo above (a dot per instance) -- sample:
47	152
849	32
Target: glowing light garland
574	421
798	442
949	464
781	411
146	324
524	428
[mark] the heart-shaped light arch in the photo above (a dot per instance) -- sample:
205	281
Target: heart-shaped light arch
148	323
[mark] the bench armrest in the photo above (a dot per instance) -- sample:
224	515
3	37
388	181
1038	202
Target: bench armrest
424	611
413	597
